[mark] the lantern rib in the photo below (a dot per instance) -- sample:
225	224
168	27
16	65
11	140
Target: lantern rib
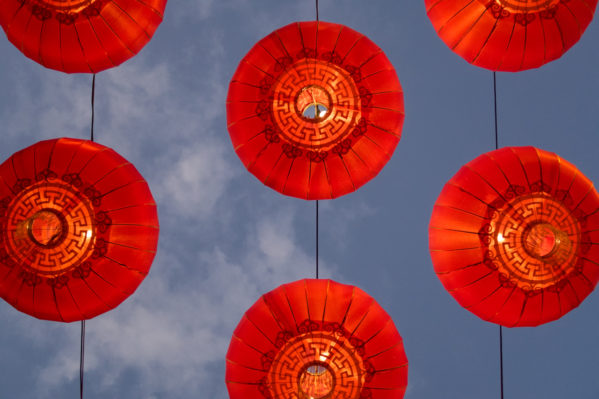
288	174
243	365
385	130
394	346
111	28
352	47
141	273
487	296
290	308
462	210
370	58
508	45
484	44
457	12
448	272
85	55
106	52
108	282
523	168
461	287
267	179
56	305
470	29
118	5
259	329
503	305
240	339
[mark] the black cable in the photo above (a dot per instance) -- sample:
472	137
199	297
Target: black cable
316	238
93	106
501	358
497	147
81	359
317	11
82	353
495	105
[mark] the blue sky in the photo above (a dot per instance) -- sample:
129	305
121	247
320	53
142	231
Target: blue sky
226	238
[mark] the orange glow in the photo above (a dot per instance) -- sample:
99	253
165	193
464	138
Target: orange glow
315	110
78	229
510	35
512	236
316	339
80	35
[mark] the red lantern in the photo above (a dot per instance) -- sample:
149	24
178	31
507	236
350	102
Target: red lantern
315	110
513	236
80	35
78	229
316	339
510	35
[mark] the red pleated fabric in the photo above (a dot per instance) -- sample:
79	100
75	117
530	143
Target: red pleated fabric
80	35
78	229
510	35
316	339
315	110
513	236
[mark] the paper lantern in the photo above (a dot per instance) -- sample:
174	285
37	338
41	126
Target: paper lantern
314	339
513	236
78	229
510	35
80	35
315	110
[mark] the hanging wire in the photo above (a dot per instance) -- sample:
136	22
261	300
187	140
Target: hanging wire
501	359
82	352
81	359
316	238
317	11
497	147
93	106
495	106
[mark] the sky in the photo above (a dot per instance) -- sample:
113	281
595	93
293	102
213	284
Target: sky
226	238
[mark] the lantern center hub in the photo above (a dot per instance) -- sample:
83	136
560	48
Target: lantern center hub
541	240
46	228
313	103
316	382
525	6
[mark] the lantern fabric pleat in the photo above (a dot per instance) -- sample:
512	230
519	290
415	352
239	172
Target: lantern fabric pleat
510	35
316	339
80	35
315	110
78	229
513	236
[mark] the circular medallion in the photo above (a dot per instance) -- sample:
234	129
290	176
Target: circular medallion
527	6
317	365
316	339
315	104
78	229
536	241
49	228
512	236
64	6
315	110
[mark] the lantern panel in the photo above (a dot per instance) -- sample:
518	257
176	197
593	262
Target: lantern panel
80	36
315	110
512	236
510	35
316	339
78	229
